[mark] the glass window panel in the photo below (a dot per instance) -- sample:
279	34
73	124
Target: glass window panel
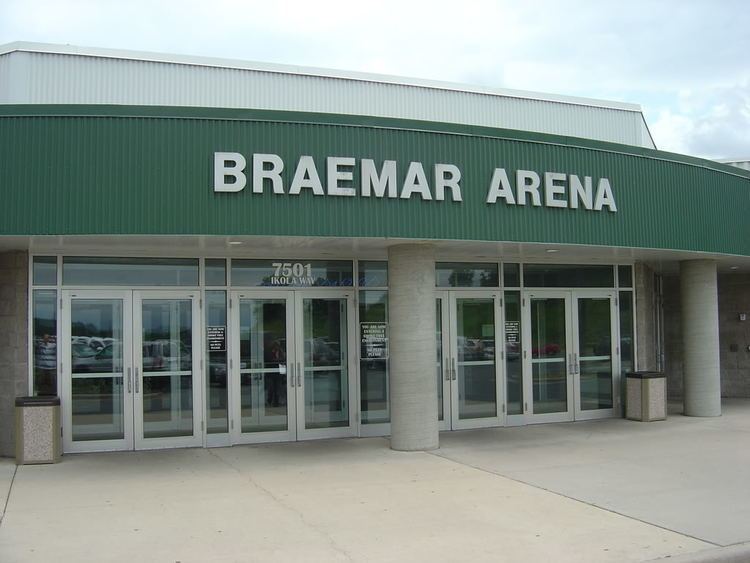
373	364
130	271
263	365
45	270
325	363
97	362
292	273
439	347
513	364
167	367
549	373
216	351
457	274
625	276
627	350
373	274
475	325
45	342
568	275
595	352
215	271
512	275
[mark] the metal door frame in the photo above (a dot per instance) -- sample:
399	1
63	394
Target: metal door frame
451	420
352	429
235	415
611	294
127	442
295	368
196	439
529	417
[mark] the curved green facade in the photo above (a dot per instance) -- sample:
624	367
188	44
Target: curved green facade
147	170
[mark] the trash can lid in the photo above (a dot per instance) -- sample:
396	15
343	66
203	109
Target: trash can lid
40	401
645	374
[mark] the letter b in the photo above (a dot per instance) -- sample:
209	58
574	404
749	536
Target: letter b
235	170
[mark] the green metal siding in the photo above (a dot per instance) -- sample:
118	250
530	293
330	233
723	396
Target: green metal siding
109	170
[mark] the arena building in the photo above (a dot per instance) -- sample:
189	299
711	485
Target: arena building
204	252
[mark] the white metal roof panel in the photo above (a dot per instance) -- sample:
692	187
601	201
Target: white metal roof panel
32	73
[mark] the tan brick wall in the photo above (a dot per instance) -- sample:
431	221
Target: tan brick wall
13	341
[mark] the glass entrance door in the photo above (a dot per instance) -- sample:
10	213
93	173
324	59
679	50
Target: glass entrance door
548	357
570	357
264	362
293	366
130	369
469	390
97	371
596	354
167	370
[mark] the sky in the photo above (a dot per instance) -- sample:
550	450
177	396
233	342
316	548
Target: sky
685	62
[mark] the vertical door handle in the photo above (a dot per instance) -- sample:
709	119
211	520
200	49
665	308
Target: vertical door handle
299	375
447	372
571	365
130	380
454	369
575	363
291	375
136	380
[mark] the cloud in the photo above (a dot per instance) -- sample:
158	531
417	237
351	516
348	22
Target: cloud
710	122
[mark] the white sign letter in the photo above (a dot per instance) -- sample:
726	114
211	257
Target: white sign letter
551	189
415	182
379	183
604	196
447	176
260	172
306	176
581	192
500	187
335	175
221	171
527	182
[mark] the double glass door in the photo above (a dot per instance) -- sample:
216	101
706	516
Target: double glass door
570	356
130	370
292	366
467	368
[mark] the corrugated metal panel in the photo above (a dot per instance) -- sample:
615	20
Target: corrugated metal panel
50	78
125	175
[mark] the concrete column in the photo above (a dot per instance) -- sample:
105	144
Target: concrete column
411	320
700	338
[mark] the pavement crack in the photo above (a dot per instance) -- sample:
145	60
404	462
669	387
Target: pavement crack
298	514
7	497
559	494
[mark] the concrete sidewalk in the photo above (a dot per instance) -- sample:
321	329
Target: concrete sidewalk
596	491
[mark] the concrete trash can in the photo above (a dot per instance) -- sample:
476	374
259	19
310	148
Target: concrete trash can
38	430
646	396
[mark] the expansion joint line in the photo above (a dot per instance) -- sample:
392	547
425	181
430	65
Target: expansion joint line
7	498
